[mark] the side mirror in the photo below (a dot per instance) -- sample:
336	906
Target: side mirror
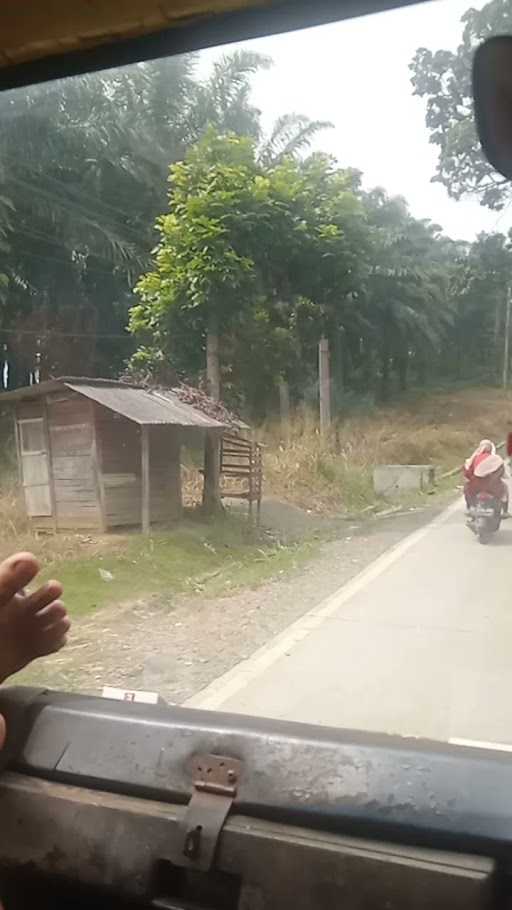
492	92
509	445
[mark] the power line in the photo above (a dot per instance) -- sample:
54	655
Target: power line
57	334
78	211
109	268
60	261
73	191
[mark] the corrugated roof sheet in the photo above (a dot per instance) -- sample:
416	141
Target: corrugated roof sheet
146	407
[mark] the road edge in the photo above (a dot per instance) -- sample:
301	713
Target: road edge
241	674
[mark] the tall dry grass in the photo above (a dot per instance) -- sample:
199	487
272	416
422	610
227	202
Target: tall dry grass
16	533
335	474
14	526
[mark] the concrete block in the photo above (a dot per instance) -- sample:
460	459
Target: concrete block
394	479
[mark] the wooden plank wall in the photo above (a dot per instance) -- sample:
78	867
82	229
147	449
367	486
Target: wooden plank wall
70	428
25	410
165	473
119	445
118	441
72	420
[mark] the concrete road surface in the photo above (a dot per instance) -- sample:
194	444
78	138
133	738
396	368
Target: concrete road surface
419	643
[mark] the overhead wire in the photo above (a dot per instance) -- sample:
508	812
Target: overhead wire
76	210
58	334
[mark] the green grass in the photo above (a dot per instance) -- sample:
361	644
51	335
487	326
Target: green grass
209	558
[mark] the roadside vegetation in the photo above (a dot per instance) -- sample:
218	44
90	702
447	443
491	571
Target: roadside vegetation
211	557
334	474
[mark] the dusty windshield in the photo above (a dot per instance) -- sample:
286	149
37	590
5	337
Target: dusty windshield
254	334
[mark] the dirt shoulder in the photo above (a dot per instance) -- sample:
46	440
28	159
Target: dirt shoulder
177	645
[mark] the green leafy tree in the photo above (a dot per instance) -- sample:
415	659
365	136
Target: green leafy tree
204	263
242	251
443	79
473	348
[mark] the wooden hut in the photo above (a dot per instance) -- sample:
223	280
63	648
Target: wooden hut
98	454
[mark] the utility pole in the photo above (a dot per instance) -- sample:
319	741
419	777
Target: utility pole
212	362
324	377
212	502
284	408
507	337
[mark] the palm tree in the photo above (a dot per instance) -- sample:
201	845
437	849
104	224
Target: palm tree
222	101
73	240
291	135
407	299
83	172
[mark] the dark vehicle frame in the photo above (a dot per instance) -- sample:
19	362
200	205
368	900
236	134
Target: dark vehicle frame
103	801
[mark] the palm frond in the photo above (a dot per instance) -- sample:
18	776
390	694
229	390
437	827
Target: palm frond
290	135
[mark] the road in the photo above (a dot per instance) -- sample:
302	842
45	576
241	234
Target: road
419	643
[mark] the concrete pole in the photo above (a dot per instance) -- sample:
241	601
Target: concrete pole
211	485
146	492
324	383
284	408
506	346
212	365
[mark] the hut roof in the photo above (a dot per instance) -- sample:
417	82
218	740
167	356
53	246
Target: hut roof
148	407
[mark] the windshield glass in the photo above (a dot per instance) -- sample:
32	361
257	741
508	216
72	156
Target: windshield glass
254	335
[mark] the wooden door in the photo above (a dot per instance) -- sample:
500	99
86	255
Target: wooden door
34	467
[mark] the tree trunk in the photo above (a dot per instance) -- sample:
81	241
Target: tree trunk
384	378
458	360
402	363
422	370
212	502
324	382
387	342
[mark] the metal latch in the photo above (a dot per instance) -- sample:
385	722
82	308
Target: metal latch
215	781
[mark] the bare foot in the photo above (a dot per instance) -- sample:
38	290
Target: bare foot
31	625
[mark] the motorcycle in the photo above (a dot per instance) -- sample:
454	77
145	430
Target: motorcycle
485	516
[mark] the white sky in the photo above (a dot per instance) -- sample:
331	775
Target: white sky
355	74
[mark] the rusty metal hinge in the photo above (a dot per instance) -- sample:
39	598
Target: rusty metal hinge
215	781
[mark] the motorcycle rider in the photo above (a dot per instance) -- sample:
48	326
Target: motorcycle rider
487	477
484	448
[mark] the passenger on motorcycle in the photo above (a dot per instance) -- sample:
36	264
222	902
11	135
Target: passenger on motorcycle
487	477
483	450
